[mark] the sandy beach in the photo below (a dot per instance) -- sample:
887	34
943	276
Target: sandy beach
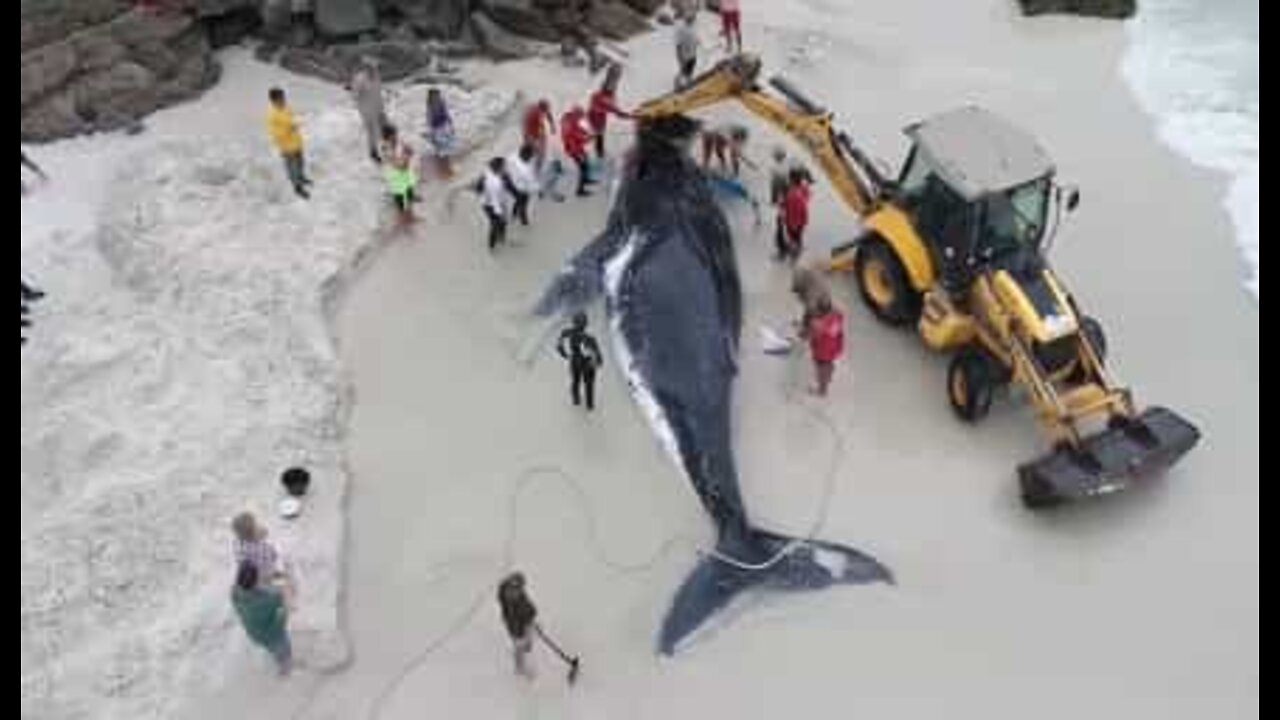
465	458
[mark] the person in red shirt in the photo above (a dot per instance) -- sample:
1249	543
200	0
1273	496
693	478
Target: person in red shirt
603	104
575	136
795	213
823	327
538	124
731	24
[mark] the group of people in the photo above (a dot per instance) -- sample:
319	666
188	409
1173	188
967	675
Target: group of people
509	184
506	188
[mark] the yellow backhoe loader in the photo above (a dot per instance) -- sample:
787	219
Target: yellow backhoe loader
955	245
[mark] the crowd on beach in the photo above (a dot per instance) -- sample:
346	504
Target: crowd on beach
265	590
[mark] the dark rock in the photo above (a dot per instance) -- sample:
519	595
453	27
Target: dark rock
646	7
344	18
215	8
317	64
521	17
615	20
396	60
496	41
266	51
1116	9
47	21
442	19
302	33
108	75
232	27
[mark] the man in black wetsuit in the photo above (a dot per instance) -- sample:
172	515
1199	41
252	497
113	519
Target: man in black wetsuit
583	353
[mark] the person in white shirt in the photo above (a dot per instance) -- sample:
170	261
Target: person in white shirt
686	50
496	194
524	179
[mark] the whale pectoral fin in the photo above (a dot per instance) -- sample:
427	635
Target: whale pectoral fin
580	282
796	565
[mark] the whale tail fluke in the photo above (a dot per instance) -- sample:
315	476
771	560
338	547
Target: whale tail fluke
768	561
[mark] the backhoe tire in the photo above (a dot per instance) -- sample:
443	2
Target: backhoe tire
883	283
1092	330
972	379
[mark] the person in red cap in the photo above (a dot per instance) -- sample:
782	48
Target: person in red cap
603	104
537	126
575	135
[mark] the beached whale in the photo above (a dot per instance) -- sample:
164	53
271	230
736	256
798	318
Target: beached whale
666	266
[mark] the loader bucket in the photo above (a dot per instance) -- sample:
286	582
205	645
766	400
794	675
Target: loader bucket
1109	461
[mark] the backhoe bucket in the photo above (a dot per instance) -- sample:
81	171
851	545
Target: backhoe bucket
1109	461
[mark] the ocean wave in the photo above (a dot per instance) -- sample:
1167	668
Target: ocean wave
1193	65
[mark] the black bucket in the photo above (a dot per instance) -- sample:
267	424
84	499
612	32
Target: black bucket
296	480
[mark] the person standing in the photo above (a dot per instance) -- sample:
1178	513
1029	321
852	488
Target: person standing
731	24
284	131
582	352
727	144
603	104
537	125
520	617
495	200
399	173
575	136
440	132
366	91
823	327
795	213
686	50
264	616
524	181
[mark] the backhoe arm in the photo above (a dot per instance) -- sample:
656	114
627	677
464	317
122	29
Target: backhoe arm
851	174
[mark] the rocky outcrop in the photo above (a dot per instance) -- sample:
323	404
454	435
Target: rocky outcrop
105	64
435	19
497	41
616	20
1117	9
345	18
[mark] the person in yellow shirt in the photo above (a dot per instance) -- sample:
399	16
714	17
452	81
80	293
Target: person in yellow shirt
283	128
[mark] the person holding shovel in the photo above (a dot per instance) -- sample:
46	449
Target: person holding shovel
520	616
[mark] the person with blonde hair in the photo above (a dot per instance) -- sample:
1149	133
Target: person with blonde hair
251	546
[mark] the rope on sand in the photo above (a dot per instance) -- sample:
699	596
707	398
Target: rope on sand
533	474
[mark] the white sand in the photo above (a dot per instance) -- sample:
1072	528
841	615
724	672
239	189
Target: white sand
182	360
1142	607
